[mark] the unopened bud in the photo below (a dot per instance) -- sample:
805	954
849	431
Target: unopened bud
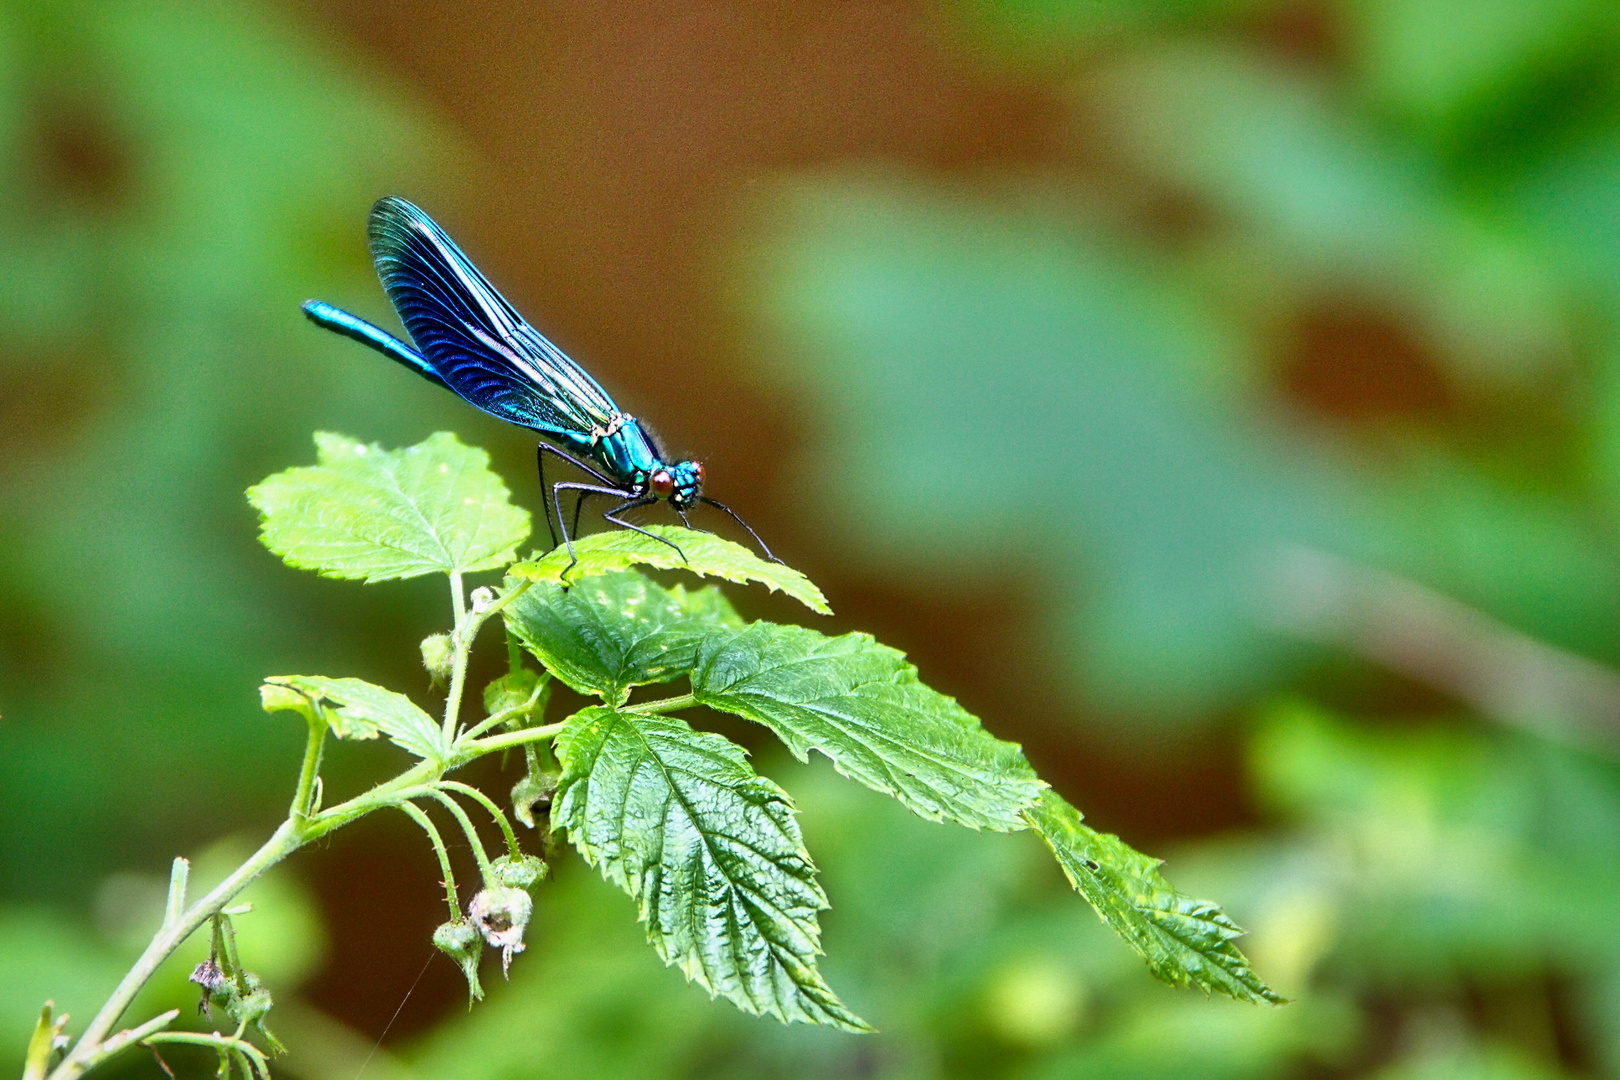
502	914
513	691
517	871
252	1008
438	656
462	942
533	792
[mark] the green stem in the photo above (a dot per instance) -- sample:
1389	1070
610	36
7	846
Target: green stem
409	784
506	598
494	811
458	597
304	824
663	705
479	747
477	845
226	929
498	718
130	1036
461	643
514	653
283	842
232	1044
179	874
311	769
418	815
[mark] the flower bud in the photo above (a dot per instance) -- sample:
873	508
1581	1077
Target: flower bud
517	871
533	791
512	691
502	913
438	657
461	942
252	1007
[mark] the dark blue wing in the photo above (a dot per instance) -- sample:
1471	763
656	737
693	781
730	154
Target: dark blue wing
475	341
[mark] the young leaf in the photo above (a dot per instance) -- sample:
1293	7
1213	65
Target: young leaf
863	706
1185	942
613	631
705	553
376	515
363	709
711	853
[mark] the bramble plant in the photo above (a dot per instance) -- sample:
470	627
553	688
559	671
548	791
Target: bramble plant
676	817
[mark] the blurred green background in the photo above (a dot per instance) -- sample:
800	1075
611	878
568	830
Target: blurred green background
1220	397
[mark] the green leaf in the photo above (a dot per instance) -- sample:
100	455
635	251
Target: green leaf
710	851
1185	942
705	553
613	631
377	515
362	710
863	706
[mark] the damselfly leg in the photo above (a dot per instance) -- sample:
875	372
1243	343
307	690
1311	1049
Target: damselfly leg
556	498
540	452
723	507
611	515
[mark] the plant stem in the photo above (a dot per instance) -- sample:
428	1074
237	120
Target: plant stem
418	815
179	874
283	842
458	597
304	824
471	833
663	705
466	628
508	739
130	1036
497	718
494	811
302	795
233	1044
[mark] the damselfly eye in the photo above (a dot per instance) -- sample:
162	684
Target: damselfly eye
662	483
697	467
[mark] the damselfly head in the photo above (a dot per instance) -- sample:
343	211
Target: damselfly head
681	484
687	479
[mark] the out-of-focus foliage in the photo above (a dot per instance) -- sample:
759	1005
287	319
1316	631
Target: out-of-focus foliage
175	179
1120	377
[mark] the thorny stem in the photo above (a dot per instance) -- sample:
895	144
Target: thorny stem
418	815
471	833
494	811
